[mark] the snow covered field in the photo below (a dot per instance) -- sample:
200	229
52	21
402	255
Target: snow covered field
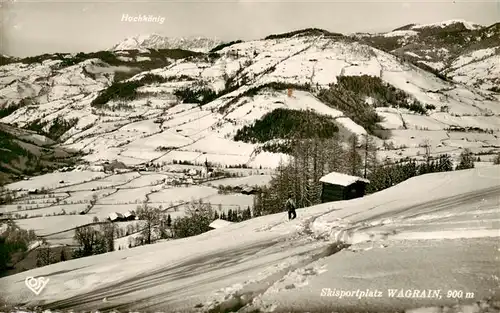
53	224
253	180
435	232
55	213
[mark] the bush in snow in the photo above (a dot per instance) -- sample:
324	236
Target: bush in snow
496	160
199	216
90	240
45	255
150	217
13	241
466	160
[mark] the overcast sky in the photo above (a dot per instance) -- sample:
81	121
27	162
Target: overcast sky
36	27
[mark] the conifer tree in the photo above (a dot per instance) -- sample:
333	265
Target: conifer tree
353	157
45	254
108	235
496	160
466	160
247	214
63	256
370	155
444	163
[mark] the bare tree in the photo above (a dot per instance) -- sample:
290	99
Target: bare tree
108	232
130	229
90	241
427	146
6	196
197	221
150	217
198	207
370	154
164	225
45	255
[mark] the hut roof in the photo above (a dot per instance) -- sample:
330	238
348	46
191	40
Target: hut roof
219	223
335	178
128	214
115	215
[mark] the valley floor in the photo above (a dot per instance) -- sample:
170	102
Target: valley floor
433	232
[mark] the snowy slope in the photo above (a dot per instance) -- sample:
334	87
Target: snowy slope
467	24
479	68
55	213
267	261
136	134
405	237
460	50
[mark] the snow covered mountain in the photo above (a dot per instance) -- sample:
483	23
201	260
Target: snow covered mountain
156	41
457	23
135	120
5	59
148	120
462	51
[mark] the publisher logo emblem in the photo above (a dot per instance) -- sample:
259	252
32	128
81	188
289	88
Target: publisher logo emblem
36	284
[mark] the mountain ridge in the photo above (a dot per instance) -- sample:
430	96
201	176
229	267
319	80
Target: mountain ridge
125	105
438	47
157	41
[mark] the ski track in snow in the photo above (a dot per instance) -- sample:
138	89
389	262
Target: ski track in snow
288	262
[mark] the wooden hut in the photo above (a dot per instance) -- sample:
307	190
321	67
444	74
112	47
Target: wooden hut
338	186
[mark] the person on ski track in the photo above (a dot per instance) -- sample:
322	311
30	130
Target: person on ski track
290	206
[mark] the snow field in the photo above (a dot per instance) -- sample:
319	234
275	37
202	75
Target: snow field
104	183
52	180
275	263
53	224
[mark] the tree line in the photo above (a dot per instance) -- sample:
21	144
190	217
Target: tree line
299	176
310	159
313	158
